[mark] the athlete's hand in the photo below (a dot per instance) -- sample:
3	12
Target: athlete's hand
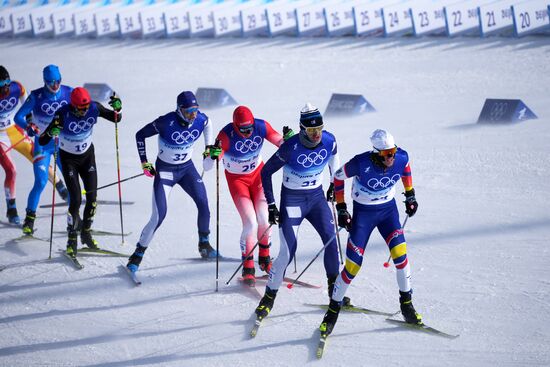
344	217
330	192
32	129
410	203
115	102
148	169
287	133
274	215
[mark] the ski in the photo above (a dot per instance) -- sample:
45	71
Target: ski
29	237
291	280
424	328
99	202
356	309
254	330
321	345
101	251
73	260
132	275
213	259
98	232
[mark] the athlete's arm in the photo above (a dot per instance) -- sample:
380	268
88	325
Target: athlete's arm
145	132
274	164
27	107
348	170
108	114
272	135
46	136
208	132
406	178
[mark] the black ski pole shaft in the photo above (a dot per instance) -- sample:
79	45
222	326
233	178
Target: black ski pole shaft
387	263
114	183
119	186
249	253
325	245
337	232
55	147
217	221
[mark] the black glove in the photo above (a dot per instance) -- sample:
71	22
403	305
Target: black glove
344	217
287	133
330	192
273	214
410	203
115	102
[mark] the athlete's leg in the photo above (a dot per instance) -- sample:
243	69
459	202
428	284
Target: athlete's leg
264	230
192	184
70	171
9	167
87	171
41	162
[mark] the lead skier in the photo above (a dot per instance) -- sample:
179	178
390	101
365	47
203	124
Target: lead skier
178	131
240	145
42	104
375	174
303	158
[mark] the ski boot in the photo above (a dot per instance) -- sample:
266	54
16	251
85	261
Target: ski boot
12	215
87	239
62	190
330	281
135	259
28	223
264	260
72	243
248	276
407	310
331	316
266	303
206	251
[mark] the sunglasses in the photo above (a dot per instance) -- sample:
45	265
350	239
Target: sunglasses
83	109
189	110
5	82
52	83
387	152
246	129
314	130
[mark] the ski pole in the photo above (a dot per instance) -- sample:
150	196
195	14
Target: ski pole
387	263
337	232
14	145
118	173
55	147
113	183
325	245
249	253
217	221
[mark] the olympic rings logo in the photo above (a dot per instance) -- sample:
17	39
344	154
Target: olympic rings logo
185	136
83	125
249	145
49	109
313	158
8	104
383	183
498	110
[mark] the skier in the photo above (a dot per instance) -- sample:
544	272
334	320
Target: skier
178	131
303	158
375	174
41	106
74	124
240	145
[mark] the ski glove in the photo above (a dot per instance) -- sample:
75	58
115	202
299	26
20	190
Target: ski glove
148	169
287	133
274	215
212	151
344	217
115	103
410	203
32	129
330	192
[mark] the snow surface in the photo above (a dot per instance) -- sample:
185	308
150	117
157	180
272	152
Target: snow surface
478	244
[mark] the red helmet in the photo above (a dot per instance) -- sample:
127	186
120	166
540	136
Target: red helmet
80	97
243	118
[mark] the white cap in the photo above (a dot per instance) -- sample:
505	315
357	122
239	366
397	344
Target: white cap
381	140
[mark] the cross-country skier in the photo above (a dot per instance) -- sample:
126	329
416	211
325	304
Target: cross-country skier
178	131
42	104
74	124
375	174
303	158
240	144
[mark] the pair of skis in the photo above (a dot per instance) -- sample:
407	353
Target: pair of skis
86	250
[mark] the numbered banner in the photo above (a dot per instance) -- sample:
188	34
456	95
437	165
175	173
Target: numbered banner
41	19
84	20
227	20
310	19
531	16
496	17
209	98
281	18
428	16
21	19
254	19
463	17
106	20
368	17
348	105
339	18
201	20
62	19
152	20
128	19
176	19
397	19
504	111
5	19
